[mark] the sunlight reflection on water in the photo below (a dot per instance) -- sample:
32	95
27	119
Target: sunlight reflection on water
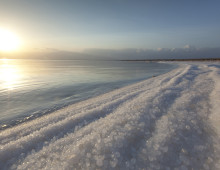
31	88
9	74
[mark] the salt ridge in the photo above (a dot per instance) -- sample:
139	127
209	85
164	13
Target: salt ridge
165	122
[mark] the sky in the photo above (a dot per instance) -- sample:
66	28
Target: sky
116	25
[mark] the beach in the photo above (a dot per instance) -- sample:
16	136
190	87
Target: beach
170	121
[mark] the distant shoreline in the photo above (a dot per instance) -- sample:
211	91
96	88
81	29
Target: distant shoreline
156	60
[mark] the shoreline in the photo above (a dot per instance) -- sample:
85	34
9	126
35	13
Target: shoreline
159	122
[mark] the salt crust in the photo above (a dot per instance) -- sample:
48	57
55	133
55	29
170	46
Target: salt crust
166	122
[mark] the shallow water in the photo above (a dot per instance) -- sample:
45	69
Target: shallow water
31	88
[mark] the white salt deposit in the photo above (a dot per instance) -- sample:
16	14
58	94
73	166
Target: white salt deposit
166	122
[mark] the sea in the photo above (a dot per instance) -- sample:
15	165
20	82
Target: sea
32	88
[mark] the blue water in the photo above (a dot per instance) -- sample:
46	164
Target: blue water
31	88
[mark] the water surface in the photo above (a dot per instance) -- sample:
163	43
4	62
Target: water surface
31	88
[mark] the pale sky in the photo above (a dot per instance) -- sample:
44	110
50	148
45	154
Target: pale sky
74	25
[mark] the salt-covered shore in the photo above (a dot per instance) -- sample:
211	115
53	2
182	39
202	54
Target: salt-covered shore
166	122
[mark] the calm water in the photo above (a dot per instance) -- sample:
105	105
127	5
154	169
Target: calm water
31	88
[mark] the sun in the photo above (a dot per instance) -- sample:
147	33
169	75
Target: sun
9	41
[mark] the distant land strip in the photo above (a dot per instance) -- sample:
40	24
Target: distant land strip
197	59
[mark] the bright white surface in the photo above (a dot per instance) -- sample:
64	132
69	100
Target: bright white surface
165	122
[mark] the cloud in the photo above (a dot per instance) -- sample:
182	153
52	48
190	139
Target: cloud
48	54
187	52
189	47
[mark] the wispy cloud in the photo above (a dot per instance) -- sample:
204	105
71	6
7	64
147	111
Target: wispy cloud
186	52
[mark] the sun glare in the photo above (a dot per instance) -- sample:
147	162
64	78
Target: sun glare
9	74
8	41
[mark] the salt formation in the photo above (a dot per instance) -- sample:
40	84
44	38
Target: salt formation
166	122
